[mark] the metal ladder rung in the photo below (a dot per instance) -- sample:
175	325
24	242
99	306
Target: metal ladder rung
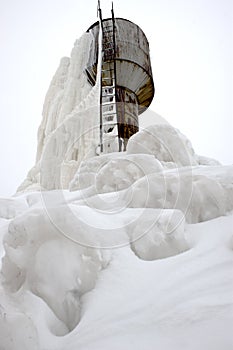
113	111
108	70
108	86
107	46
107	79
109	26
108	102
114	114
112	123
109	105
108	94
105	120
107	113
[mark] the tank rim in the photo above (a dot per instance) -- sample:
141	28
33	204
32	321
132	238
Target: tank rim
116	18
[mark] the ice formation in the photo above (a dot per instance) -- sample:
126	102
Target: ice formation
130	250
69	129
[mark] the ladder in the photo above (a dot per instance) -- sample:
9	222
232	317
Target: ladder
109	140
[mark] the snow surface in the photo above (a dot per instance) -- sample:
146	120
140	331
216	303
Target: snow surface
139	255
130	250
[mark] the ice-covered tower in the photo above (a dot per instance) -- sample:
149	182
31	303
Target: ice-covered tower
93	101
127	87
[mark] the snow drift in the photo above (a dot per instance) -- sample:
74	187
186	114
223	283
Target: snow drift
122	260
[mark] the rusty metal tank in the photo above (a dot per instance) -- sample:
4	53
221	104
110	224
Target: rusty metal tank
127	87
132	60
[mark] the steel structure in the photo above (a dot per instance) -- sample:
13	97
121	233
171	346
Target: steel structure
127	87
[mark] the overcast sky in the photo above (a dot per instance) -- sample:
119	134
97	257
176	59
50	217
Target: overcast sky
191	43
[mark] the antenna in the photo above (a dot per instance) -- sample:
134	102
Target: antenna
98	9
112	10
99	14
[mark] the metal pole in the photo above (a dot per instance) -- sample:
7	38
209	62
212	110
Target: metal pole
100	107
115	75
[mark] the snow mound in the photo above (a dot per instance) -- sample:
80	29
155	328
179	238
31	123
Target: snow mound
201	160
12	207
118	253
163	238
48	264
114	172
165	142
58	252
192	190
200	198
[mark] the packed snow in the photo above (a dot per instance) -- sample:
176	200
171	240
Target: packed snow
138	255
130	250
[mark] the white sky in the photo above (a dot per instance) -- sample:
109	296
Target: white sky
191	43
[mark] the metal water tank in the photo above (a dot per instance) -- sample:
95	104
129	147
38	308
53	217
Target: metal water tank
126	76
133	66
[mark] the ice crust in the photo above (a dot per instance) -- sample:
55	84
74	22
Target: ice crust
130	250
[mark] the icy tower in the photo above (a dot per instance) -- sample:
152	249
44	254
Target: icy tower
127	87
